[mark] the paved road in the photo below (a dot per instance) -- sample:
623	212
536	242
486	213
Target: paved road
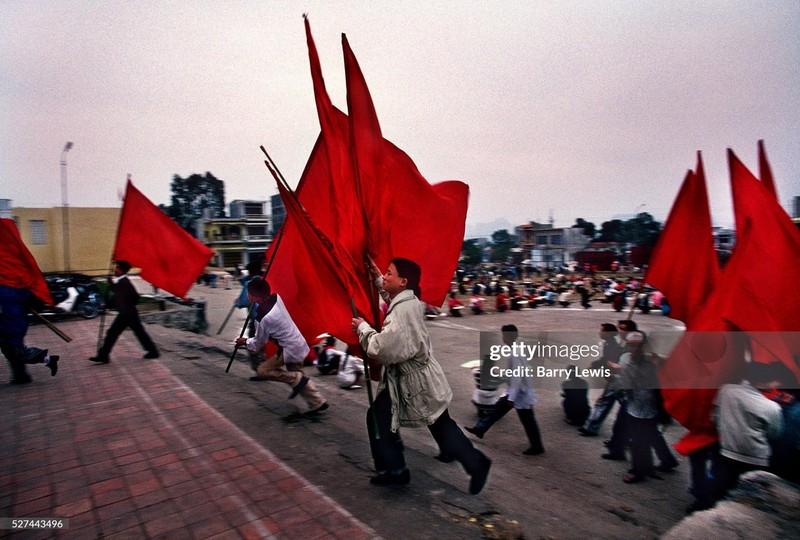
569	492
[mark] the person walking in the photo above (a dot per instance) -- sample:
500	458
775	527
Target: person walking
413	391
519	396
124	300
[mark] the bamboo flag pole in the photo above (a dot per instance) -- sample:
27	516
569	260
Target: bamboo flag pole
51	326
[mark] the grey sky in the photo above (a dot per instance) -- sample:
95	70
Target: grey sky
586	109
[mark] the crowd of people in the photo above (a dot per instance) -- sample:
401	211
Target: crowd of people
757	420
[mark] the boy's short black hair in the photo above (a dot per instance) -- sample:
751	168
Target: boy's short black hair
125	266
259	287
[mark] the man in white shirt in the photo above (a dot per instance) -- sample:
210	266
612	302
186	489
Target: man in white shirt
276	325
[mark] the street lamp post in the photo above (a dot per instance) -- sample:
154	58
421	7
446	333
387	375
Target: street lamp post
64	204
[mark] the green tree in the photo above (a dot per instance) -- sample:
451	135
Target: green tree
471	252
589	228
192	195
502	242
642	230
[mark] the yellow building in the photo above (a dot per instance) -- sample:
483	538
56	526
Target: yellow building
87	246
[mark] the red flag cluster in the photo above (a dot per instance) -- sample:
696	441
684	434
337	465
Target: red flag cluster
753	294
18	268
169	257
359	196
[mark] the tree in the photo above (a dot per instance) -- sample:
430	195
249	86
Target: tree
642	230
502	242
589	228
471	253
192	195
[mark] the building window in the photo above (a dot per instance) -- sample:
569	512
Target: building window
541	240
253	209
556	240
38	232
254	230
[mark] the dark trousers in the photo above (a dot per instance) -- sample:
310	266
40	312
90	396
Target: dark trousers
705	472
387	451
602	407
728	474
621	432
645	436
13	327
121	322
526	417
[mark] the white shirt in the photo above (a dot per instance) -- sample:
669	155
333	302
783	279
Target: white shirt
279	326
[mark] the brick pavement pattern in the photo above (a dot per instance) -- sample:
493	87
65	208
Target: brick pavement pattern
126	450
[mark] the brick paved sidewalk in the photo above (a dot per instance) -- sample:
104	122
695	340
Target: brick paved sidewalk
126	450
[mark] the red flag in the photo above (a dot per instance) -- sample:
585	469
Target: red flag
765	171
305	270
753	294
405	215
684	264
767	258
18	268
169	257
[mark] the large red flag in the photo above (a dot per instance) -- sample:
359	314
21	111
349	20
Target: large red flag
18	268
169	257
684	264
305	270
762	296
405	215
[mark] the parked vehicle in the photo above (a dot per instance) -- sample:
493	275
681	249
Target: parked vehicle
73	294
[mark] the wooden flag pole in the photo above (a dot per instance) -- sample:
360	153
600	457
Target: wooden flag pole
52	327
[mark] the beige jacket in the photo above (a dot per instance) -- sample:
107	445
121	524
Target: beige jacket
415	380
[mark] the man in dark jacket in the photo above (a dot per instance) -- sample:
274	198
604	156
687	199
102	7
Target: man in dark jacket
124	301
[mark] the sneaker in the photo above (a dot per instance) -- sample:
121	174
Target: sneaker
98	359
391	479
479	477
53	364
475	431
314	412
151	355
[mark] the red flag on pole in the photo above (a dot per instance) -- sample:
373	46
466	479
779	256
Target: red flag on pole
169	257
18	268
405	215
684	264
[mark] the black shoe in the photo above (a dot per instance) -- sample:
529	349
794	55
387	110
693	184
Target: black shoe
586	433
296	389
664	467
475	431
479	477
53	364
391	479
314	412
98	359
25	379
613	456
444	458
151	355
533	451
258	378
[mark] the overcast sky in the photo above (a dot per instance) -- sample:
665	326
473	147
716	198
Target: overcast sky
576	109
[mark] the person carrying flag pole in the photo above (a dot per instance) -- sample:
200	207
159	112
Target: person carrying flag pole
413	391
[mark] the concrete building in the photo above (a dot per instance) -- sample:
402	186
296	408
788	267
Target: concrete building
550	246
85	246
240	238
